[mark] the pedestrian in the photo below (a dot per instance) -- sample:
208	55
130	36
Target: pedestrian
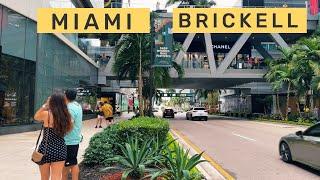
56	121
100	115
108	112
74	137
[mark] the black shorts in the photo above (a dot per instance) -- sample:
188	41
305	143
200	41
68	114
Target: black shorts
72	153
109	118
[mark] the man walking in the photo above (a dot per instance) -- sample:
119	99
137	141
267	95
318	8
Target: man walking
74	137
108	112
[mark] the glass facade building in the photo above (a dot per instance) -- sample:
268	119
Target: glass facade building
33	66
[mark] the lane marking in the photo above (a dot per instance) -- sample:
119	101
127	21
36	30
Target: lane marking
244	137
217	166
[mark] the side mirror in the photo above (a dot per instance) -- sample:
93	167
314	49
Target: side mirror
299	133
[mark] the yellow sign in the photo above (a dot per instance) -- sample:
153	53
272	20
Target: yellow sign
93	20
240	20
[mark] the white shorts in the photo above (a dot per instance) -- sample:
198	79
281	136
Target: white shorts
100	117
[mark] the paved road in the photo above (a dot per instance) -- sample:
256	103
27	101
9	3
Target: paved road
247	150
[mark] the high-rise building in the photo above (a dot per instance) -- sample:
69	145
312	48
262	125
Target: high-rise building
33	66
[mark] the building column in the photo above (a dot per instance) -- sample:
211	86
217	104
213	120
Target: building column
274	105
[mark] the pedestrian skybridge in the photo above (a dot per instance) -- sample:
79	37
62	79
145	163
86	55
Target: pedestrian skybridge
222	60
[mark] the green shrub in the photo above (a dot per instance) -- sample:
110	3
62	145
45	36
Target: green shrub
143	128
136	158
194	172
178	165
103	146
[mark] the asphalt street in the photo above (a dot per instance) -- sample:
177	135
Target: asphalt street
245	149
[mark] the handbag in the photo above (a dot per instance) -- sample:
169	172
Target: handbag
37	156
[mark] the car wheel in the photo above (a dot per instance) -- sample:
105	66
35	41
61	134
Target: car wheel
206	118
192	118
285	152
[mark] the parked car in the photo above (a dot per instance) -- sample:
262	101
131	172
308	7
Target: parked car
168	112
303	146
197	113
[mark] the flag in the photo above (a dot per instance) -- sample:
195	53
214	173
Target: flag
314	8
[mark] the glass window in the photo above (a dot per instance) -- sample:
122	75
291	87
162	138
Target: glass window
31	40
313	131
16	90
13	33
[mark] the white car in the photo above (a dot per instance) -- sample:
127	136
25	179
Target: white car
197	113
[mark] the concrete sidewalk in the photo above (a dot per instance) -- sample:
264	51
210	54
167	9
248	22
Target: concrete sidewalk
16	150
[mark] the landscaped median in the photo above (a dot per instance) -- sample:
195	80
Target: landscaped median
136	149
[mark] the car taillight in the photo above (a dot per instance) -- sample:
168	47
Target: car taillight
205	111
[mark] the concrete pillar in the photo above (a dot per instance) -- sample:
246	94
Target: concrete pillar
274	105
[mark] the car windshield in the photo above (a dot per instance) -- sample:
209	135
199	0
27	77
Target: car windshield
199	109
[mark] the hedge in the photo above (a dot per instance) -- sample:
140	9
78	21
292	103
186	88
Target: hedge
103	145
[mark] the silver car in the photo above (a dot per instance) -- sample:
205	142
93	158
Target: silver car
303	147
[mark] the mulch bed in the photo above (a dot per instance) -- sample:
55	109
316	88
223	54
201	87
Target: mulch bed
94	173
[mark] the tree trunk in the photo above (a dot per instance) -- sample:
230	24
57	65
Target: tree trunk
140	85
288	98
278	106
297	104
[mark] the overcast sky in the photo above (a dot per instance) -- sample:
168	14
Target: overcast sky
152	3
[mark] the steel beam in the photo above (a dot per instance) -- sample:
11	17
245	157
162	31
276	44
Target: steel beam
279	40
233	53
210	53
185	47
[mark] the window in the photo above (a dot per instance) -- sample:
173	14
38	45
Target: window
313	131
13	33
200	109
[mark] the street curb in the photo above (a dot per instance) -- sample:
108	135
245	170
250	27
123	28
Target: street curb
210	169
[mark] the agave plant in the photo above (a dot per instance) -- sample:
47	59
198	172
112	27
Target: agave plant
136	159
178	165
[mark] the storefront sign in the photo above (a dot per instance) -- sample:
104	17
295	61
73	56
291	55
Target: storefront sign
240	20
163	40
221	46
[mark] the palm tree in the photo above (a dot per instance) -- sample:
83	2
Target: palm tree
132	57
280	74
133	61
202	3
310	47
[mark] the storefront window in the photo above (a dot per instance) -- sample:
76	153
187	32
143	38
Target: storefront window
16	90
195	60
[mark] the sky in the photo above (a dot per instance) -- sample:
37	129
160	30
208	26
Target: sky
152	3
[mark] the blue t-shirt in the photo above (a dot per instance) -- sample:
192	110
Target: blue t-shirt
74	136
